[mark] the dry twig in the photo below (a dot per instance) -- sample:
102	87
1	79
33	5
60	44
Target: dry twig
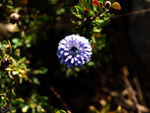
131	13
139	107
59	97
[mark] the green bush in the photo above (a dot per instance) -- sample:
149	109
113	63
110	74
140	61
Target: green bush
22	25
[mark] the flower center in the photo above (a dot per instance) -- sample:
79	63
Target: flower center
74	50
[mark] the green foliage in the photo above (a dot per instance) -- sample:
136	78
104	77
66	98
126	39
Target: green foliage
59	111
15	70
89	18
16	73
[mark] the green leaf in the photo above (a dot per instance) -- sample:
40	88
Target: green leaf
9	6
116	6
118	109
1	58
77	11
36	81
1	4
89	4
59	111
14	94
100	23
97	30
25	108
85	3
101	1
88	13
62	111
42	70
10	47
93	40
17	42
94	110
107	107
17	102
91	64
15	72
0	44
60	11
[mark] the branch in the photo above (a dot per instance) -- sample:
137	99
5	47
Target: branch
59	97
131	13
127	82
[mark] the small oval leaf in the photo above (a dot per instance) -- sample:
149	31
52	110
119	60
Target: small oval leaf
116	6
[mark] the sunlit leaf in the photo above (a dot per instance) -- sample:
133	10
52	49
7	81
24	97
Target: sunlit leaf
10	47
15	72
77	11
94	110
18	101
1	4
9	6
116	6
107	107
118	109
59	111
25	109
14	94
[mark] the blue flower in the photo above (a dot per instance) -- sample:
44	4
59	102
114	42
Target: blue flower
74	51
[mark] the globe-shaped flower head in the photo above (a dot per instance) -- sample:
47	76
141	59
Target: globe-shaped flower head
74	51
